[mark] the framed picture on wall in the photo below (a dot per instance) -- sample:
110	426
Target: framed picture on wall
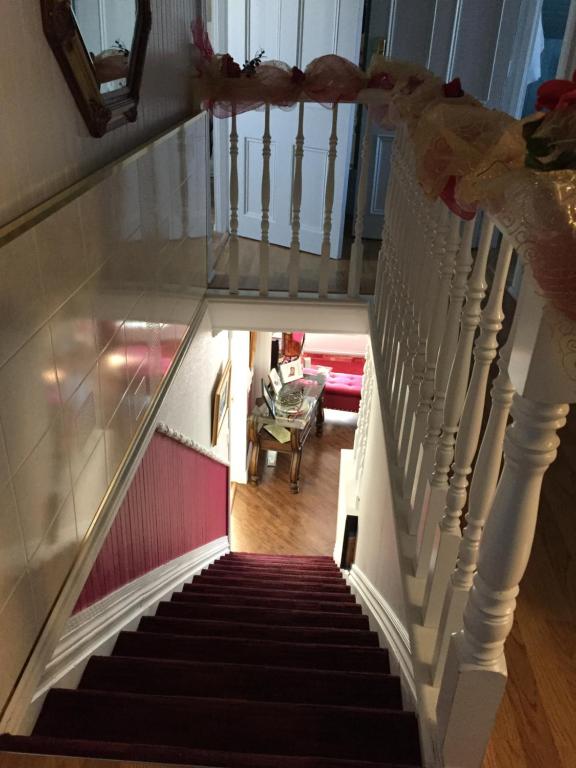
221	401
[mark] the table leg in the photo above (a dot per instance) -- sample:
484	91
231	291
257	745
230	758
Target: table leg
320	415
253	476
295	470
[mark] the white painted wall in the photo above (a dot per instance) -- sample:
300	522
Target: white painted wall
376	549
187	407
336	343
240	388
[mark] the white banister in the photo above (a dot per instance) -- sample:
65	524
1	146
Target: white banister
482	488
356	256
233	267
265	226
296	204
491	323
455	289
328	203
475	667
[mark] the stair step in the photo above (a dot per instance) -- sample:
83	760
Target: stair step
252	651
259	558
277	616
243	581
265	602
245	726
241	681
172	755
268	574
322	571
324	635
289	594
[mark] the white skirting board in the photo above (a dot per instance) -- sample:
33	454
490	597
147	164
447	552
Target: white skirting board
94	630
392	633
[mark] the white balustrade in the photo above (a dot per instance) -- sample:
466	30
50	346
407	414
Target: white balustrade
233	245
328	203
265	222
485	352
294	272
446	325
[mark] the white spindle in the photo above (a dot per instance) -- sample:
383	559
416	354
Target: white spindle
356	257
482	488
296	203
265	227
233	267
475	667
433	329
442	342
328	203
455	492
361	433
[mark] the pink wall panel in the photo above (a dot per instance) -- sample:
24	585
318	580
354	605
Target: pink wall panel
178	500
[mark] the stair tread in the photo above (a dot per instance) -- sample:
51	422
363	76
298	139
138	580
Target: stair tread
278	616
267	602
281	574
324	572
311	586
269	727
216	589
174	755
241	681
327	635
250	650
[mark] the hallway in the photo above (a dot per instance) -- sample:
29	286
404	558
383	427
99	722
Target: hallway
269	519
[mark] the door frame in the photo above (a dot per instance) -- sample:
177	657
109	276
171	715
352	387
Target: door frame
221	129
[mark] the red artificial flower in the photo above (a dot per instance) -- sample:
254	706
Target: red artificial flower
556	94
453	89
382	80
298	76
229	67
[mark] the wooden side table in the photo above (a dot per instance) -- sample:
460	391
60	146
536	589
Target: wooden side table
263	440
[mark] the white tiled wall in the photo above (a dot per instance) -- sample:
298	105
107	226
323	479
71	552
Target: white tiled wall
93	303
45	143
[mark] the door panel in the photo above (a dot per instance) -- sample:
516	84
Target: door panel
296	32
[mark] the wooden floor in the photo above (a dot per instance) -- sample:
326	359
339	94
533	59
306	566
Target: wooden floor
267	518
249	268
536	724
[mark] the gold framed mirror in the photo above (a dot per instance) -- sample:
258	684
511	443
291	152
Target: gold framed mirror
100	46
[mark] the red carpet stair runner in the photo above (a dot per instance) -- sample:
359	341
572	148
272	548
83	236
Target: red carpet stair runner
260	662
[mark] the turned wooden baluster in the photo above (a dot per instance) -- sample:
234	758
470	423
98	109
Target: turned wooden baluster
356	257
435	494
427	286
328	203
475	668
482	488
429	349
361	434
233	245
455	493
414	366
387	251
442	344
265	226
296	204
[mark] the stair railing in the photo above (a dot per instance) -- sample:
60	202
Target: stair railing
438	325
321	277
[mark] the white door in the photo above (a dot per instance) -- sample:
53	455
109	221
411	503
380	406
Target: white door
486	43
294	31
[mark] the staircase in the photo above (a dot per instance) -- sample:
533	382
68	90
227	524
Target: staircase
260	662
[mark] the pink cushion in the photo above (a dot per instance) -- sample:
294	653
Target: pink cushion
344	384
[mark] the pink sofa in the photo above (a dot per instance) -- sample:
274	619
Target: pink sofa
342	390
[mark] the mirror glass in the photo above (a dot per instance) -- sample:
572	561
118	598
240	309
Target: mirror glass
107	28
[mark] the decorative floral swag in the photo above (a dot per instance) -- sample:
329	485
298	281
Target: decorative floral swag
522	172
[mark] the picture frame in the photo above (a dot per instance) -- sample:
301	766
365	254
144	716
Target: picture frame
268	398
221	401
275	380
291	371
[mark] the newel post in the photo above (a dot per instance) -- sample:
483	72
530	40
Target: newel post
475	674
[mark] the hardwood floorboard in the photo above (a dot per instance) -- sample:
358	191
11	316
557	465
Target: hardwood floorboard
267	518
